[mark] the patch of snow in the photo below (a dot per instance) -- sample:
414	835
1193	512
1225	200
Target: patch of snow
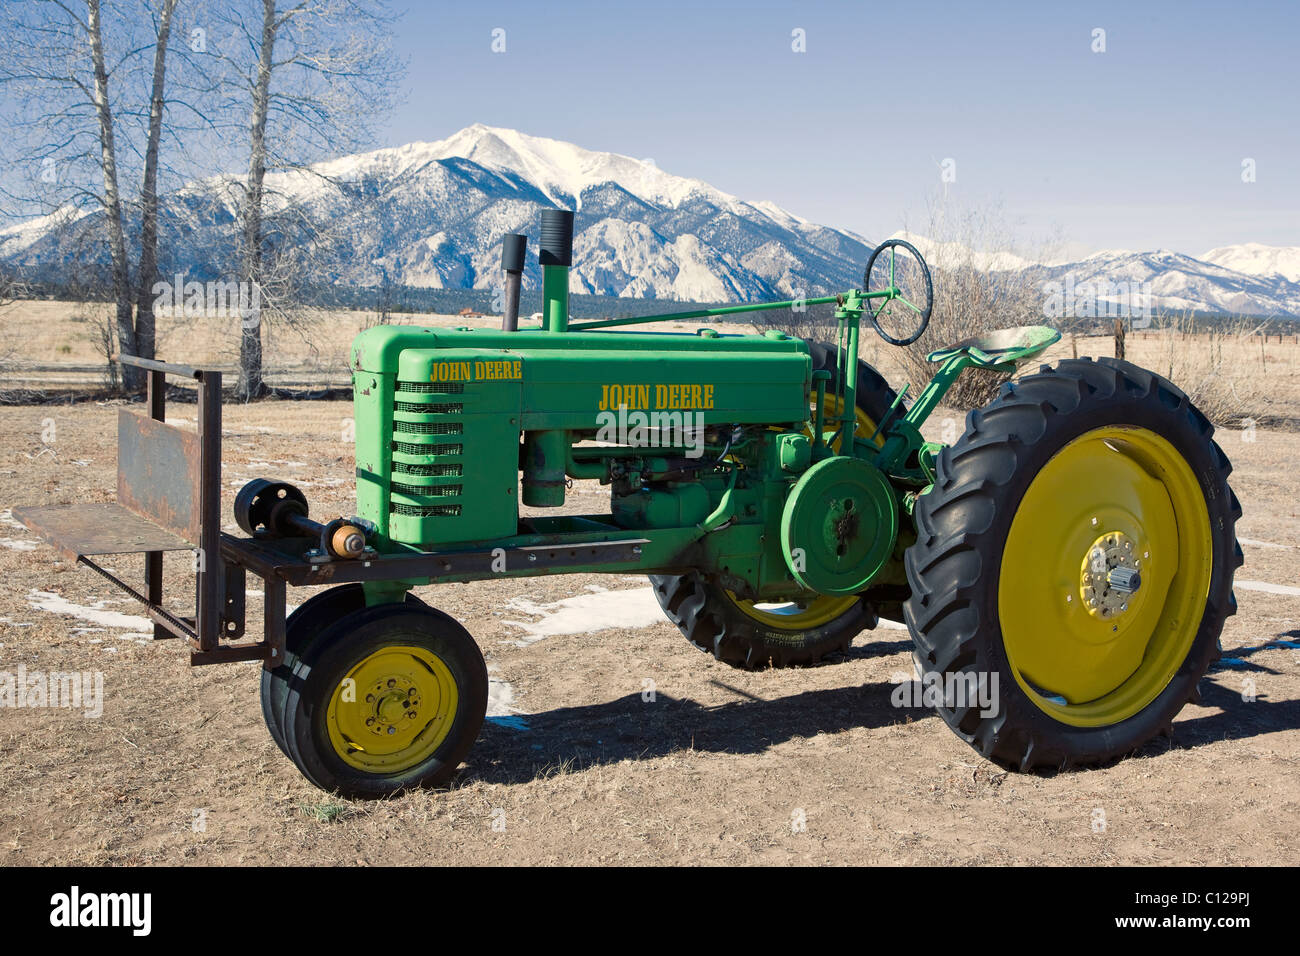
1266	544
501	707
587	613
95	614
1266	587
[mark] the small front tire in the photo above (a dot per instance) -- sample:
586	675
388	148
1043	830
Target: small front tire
388	699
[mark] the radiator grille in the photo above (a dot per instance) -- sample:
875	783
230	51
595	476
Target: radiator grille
429	428
426	491
421	408
429	471
426	511
411	448
432	388
435	417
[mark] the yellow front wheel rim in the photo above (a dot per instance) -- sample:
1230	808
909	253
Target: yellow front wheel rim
392	710
817	610
1117	508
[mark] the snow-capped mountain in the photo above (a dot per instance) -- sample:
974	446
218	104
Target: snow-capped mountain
1174	282
431	215
1255	259
1250	279
938	254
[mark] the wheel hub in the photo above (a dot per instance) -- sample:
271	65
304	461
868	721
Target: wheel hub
393	704
1110	575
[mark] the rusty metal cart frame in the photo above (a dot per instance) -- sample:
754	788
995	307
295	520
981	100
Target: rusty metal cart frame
169	499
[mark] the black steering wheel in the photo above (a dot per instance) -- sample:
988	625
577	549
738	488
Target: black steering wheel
923	311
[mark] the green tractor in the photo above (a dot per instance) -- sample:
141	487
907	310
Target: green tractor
1064	567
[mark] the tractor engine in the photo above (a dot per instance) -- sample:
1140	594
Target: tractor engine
704	439
447	421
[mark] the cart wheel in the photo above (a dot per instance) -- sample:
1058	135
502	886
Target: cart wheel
387	699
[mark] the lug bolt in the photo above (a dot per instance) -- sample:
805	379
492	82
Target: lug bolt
391	682
392	730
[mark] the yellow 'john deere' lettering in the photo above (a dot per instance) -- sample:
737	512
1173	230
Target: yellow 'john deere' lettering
512	370
666	397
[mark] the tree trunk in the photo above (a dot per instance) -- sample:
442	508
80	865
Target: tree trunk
144	318
1119	338
250	342
133	378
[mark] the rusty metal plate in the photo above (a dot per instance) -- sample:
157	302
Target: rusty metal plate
158	473
97	528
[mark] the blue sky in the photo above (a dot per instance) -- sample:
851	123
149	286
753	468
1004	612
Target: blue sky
1138	147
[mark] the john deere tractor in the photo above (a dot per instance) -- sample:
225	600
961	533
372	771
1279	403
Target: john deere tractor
1064	566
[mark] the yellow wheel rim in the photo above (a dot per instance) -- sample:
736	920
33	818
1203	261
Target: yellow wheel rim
820	610
392	710
1114	505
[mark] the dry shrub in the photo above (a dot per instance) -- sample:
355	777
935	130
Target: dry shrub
103	335
1219	370
972	295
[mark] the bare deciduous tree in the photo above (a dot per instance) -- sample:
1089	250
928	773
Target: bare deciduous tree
979	286
112	198
145	322
313	75
73	80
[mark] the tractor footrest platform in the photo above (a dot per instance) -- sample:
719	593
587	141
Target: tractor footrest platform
95	528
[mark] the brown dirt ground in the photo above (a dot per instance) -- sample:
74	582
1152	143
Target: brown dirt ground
715	770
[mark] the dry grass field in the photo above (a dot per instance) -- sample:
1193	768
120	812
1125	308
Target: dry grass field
576	765
54	347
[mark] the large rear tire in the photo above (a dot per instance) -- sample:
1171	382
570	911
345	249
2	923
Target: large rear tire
1073	565
752	634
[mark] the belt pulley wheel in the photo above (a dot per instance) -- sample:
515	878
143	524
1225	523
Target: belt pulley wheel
264	506
839	526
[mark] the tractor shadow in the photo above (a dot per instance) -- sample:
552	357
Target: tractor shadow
631	728
1237	719
518	750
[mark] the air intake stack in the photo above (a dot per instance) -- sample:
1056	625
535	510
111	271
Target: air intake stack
513	248
556	255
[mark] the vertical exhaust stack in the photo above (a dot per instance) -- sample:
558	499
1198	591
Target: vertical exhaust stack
556	255
513	248
546	452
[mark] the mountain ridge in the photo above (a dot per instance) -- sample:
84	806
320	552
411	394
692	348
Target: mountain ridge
431	215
